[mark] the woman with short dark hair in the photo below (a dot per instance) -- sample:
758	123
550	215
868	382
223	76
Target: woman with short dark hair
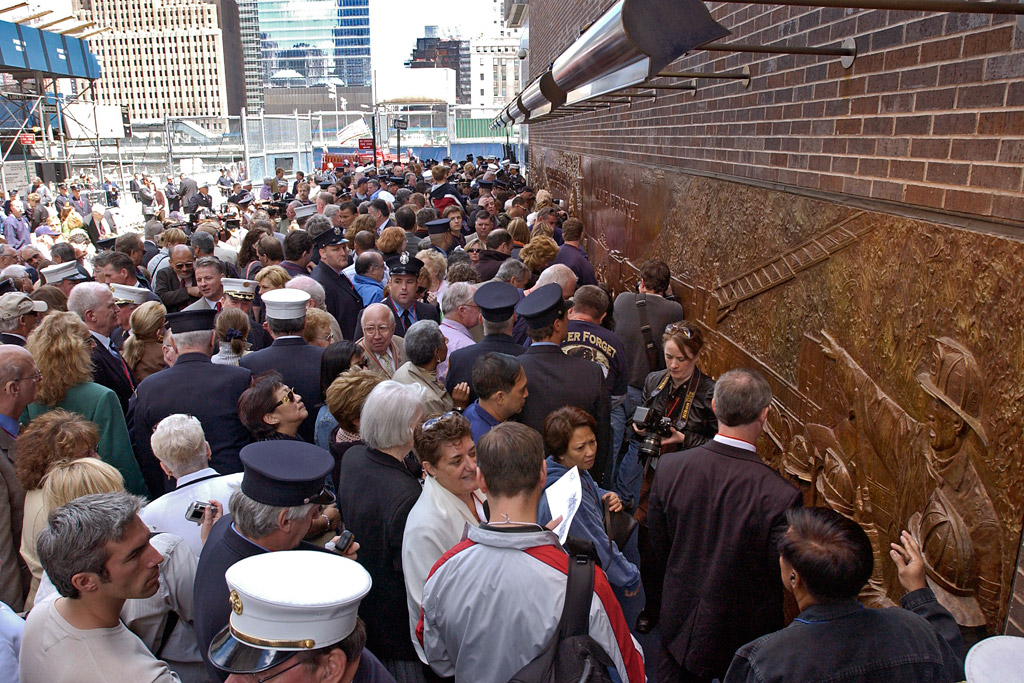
270	409
570	439
337	358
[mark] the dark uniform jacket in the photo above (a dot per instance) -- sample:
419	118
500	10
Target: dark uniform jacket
194	386
299	366
342	300
846	643
223	548
423	311
555	380
375	494
172	294
460	363
715	515
8	338
198	201
149	251
113	373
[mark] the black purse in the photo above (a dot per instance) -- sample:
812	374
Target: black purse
618	525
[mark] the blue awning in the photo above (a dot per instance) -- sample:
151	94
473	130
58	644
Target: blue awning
24	50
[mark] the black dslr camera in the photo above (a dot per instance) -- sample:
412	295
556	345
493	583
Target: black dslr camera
657	427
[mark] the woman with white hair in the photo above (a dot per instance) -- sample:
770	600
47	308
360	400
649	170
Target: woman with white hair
426	348
376	491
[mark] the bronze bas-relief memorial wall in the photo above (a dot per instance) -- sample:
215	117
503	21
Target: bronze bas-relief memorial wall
894	347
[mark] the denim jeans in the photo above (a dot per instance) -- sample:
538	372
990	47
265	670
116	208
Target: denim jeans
627	472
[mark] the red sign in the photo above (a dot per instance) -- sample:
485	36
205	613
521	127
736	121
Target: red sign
27	139
365	143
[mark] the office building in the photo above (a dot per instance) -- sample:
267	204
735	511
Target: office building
433	52
252	57
494	72
180	58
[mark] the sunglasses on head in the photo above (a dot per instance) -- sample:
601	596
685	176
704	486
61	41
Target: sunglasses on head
682	328
434	421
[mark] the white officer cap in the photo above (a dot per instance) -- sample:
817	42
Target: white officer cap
306	210
125	295
272	619
237	288
285	304
61	272
995	659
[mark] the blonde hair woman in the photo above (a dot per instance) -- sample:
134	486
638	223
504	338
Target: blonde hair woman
318	328
434	267
168	239
61	345
142	350
537	255
51	439
67	481
272	277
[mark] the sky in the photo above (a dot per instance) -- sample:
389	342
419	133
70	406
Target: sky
396	24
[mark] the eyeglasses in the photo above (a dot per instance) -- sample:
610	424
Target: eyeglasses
432	422
473	251
35	378
682	328
288	398
380	329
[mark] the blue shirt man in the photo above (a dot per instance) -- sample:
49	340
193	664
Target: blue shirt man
16	230
500	384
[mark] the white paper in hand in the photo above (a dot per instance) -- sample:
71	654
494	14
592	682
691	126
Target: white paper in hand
564	499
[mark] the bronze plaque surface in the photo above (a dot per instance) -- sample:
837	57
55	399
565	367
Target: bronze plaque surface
894	347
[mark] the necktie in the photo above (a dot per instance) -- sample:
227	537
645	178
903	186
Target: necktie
184	285
218	306
406	320
387	364
124	366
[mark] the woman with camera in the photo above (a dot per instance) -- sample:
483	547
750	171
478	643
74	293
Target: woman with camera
675	415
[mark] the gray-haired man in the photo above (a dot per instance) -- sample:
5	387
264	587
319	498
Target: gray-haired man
96	552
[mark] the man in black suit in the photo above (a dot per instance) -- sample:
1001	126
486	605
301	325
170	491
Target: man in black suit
404	302
278	474
19	315
187	189
341	298
94	303
176	286
297	362
715	515
193	386
497	302
555	380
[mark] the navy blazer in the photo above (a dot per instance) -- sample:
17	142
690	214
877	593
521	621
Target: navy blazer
299	365
112	373
460	363
342	301
555	380
423	311
194	386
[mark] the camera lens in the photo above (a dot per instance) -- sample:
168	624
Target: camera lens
650	447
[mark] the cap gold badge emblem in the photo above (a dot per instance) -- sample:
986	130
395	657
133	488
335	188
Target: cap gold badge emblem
236	602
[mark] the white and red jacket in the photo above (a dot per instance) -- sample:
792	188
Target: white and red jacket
493	602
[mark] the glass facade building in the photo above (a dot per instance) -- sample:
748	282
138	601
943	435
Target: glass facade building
310	42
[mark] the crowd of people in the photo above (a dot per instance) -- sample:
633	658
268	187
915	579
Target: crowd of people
312	434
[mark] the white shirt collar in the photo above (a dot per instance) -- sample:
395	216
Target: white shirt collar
189	478
105	341
737	443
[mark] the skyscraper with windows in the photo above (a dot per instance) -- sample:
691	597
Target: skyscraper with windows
315	42
248	16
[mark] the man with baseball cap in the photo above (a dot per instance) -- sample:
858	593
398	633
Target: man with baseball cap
283	491
310	628
19	315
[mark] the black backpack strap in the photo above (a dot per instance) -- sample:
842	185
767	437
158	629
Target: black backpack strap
579	593
169	626
650	348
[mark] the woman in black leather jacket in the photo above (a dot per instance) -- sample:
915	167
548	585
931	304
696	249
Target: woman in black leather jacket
682	394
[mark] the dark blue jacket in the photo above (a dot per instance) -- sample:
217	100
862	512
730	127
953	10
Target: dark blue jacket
460	363
577	261
343	301
299	366
849	643
194	386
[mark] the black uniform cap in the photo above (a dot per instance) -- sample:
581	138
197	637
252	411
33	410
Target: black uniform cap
543	306
286	473
497	301
405	265
330	236
192	321
106	245
485	183
438	226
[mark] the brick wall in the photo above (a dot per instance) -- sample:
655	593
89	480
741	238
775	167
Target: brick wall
931	114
